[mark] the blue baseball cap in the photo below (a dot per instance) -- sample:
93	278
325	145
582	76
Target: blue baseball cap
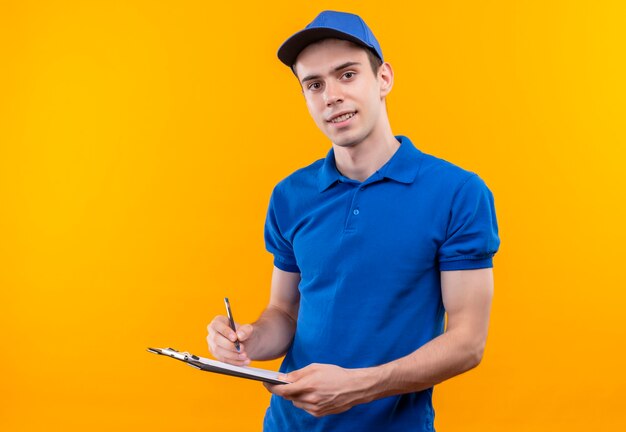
329	24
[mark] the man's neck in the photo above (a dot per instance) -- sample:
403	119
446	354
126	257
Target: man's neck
361	161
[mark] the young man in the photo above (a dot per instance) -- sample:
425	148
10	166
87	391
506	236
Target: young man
372	246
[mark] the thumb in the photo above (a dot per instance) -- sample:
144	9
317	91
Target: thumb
292	376
244	332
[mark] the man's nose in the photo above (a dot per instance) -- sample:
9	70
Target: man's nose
332	94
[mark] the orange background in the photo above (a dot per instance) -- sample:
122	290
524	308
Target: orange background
140	141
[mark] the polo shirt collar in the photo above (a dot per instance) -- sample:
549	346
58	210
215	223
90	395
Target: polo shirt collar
402	167
404	164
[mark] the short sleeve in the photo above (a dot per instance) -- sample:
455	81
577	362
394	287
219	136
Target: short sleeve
472	232
275	242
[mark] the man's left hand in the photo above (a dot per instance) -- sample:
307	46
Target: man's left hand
322	389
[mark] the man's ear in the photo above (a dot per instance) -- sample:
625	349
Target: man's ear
385	76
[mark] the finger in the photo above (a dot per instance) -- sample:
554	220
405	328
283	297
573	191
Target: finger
220	325
312	409
222	336
244	332
270	387
218	342
224	350
223	347
295	376
291	390
231	357
287	391
224	343
277	389
283	390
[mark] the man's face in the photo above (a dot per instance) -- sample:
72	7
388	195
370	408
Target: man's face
343	95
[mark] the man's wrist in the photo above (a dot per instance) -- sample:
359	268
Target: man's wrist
375	382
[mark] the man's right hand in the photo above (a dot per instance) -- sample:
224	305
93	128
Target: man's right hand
221	340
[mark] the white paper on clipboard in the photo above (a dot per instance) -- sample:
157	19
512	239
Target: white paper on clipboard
219	367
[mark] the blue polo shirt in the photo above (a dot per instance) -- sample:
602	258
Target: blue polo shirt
370	255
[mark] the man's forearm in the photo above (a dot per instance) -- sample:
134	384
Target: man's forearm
323	389
444	357
273	333
467	298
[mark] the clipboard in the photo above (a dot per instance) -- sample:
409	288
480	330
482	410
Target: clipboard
219	367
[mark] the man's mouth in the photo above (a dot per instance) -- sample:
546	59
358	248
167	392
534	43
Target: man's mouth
342	117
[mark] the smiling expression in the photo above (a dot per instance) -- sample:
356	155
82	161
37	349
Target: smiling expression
343	95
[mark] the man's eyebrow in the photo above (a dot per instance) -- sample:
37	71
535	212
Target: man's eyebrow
346	65
336	69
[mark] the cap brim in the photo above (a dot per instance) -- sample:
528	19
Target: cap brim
292	47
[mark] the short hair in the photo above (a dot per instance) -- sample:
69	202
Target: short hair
375	61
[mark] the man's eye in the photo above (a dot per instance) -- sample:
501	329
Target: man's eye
348	75
315	86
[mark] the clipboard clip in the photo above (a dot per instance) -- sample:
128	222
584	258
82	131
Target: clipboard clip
171	352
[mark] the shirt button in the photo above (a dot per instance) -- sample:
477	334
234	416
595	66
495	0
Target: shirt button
355	212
